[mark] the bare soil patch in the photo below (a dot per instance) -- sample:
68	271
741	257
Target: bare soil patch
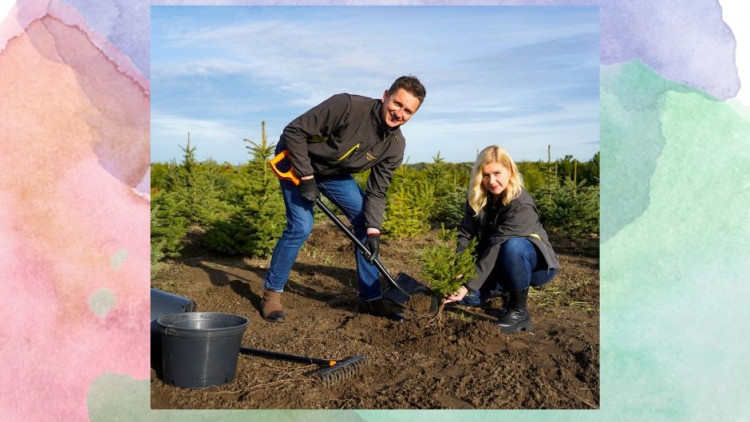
465	364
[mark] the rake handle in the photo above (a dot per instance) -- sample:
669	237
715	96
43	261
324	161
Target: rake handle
286	356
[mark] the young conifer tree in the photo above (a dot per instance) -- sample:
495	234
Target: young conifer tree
198	187
445	270
258	217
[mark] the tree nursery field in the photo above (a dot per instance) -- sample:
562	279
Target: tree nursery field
466	363
213	227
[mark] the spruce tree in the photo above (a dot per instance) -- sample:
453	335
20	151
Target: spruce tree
258	216
409	203
167	226
444	270
198	188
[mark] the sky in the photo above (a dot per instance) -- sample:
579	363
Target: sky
520	77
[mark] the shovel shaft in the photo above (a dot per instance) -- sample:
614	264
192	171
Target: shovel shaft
327	211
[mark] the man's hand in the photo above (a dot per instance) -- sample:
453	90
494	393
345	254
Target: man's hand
373	245
309	189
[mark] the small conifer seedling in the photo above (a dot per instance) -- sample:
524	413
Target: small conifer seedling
444	270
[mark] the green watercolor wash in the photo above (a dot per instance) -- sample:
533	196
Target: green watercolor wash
631	97
118	258
669	328
101	302
115	398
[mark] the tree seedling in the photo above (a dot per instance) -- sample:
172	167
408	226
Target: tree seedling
444	270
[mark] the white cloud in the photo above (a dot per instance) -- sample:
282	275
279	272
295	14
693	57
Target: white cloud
212	139
274	67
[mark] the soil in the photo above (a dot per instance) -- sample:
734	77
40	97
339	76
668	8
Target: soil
464	363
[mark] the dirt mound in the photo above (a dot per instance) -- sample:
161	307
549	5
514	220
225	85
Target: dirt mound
466	363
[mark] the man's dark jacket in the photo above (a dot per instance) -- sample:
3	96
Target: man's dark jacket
346	134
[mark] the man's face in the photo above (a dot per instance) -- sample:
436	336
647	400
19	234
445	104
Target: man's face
399	107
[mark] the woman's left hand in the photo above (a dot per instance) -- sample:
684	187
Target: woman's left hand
457	295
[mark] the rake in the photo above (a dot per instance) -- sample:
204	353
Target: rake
334	371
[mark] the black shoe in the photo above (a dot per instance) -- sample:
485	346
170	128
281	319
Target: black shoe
378	308
516	318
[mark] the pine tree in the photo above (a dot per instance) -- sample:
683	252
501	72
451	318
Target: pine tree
411	197
198	187
258	215
444	270
449	191
167	227
405	217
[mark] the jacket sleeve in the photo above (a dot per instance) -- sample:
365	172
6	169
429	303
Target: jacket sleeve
377	186
318	122
485	264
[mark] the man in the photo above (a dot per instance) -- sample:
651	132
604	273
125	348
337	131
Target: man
344	134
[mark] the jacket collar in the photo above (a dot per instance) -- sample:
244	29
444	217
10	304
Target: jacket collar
378	121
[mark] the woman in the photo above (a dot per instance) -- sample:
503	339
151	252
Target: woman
513	251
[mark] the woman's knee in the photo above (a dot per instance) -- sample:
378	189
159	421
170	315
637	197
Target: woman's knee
517	248
541	277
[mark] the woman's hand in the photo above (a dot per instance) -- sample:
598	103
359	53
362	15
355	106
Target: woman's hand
457	295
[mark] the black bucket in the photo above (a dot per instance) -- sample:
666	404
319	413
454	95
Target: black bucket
200	349
163	303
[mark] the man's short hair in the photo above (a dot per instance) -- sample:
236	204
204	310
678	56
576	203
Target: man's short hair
411	84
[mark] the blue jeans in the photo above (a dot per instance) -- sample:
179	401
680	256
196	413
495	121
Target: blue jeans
521	266
518	267
343	192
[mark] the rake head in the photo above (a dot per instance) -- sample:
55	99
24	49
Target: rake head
341	370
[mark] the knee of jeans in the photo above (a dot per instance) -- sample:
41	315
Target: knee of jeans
541	277
516	250
514	247
299	229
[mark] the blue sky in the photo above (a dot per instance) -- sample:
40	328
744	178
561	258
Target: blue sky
519	77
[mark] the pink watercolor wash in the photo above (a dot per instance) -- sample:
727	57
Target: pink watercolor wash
74	218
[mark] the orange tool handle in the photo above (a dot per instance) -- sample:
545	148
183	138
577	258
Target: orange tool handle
287	175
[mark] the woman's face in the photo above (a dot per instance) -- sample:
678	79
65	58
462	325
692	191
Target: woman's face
495	177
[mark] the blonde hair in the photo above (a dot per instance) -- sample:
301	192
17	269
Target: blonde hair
478	194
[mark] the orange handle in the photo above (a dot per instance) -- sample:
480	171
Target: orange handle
287	175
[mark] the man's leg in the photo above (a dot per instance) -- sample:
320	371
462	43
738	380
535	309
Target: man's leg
299	223
347	196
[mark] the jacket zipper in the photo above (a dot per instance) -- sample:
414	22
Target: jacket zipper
348	153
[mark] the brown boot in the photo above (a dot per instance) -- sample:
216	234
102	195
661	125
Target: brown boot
378	308
271	309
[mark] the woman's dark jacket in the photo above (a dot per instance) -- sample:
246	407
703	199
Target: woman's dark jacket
498	223
347	134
